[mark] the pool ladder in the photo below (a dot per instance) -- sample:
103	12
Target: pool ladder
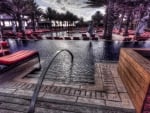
42	76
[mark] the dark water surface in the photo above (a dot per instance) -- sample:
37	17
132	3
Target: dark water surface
84	56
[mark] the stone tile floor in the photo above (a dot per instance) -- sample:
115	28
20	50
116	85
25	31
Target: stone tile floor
107	95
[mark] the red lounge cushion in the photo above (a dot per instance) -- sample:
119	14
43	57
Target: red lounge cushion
4	44
16	57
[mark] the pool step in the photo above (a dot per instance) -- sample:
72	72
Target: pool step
20	104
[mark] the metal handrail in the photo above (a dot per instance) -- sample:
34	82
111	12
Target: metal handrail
41	78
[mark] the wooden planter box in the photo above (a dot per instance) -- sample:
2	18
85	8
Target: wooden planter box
134	70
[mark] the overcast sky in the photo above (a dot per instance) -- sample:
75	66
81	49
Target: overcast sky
78	7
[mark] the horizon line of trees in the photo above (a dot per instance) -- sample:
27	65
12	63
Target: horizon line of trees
18	9
60	18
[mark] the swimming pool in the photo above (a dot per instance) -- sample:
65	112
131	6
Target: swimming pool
84	56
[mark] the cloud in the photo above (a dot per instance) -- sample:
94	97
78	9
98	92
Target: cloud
74	6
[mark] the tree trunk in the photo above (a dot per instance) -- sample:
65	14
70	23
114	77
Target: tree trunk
20	22
121	22
62	22
128	22
50	25
1	30
68	25
105	23
33	22
110	20
3	23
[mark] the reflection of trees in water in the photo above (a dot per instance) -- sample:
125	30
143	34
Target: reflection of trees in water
108	50
111	50
24	42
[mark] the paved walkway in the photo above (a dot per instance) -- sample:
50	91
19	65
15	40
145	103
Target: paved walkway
107	95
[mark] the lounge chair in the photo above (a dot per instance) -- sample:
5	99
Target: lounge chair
37	36
95	38
4	48
4	44
85	37
67	38
50	38
18	58
76	38
58	38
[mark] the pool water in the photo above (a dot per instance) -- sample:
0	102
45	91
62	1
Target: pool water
84	56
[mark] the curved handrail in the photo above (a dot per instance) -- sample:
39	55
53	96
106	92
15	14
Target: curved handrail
41	78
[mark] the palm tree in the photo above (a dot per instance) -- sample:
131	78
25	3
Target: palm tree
97	17
67	17
112	13
81	22
50	15
35	13
70	18
62	18
109	20
5	7
95	3
109	17
18	8
121	19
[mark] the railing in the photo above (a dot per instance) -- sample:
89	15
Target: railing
40	80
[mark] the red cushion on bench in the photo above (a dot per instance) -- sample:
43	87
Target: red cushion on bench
4	51
16	57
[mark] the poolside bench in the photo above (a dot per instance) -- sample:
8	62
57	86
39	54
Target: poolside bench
4	52
18	58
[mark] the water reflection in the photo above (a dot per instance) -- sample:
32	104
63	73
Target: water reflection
102	50
84	55
62	34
